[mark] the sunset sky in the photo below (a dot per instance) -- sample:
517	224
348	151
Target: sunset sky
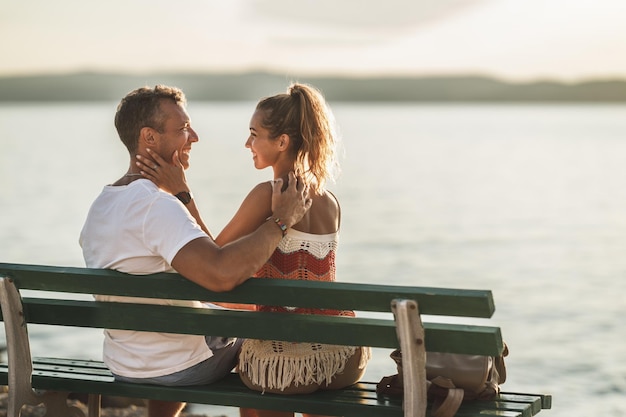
512	39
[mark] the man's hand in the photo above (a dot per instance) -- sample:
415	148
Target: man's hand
290	205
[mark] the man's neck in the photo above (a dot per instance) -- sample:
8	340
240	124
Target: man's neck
127	179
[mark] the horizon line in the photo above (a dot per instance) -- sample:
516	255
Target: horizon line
326	75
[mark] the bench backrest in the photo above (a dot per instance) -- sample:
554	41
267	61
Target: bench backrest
42	308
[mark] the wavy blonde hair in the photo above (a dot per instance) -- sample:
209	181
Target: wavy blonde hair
302	114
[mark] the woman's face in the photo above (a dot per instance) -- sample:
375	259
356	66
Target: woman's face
265	151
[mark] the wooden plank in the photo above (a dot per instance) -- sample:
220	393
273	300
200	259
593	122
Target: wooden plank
65	362
533	401
4	374
476	407
465	412
351	296
486	340
73	370
480	340
546	399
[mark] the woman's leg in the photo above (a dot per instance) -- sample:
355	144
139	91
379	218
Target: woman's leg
266	413
157	408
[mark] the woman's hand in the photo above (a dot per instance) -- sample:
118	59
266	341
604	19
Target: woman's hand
168	177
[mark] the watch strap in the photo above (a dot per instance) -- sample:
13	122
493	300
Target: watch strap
184	197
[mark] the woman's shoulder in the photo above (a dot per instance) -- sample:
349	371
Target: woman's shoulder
259	199
324	217
327	201
262	190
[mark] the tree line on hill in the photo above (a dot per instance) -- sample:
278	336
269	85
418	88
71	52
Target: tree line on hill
254	85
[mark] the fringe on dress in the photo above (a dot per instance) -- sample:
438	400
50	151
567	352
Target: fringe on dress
277	365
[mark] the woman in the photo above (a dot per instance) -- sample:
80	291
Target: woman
290	132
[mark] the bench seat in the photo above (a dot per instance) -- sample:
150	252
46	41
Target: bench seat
88	377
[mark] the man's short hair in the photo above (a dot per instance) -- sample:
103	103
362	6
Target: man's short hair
141	108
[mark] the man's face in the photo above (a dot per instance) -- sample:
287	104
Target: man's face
177	134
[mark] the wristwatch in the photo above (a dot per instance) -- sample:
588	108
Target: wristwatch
184	197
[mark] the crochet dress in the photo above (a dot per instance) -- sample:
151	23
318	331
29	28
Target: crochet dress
278	364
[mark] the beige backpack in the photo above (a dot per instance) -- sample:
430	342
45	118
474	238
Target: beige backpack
453	378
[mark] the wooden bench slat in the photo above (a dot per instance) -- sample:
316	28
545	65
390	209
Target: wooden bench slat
496	413
534	401
524	410
545	399
457	338
73	370
474	340
80	363
369	297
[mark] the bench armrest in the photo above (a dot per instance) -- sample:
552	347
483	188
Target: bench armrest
411	337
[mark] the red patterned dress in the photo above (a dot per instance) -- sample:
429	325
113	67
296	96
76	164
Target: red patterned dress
277	364
303	256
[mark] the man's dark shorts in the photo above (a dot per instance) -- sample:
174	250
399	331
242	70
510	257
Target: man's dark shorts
224	359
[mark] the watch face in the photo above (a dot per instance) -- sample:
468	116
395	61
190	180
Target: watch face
184	197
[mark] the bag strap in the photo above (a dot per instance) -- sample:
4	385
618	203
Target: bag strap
447	401
500	366
448	405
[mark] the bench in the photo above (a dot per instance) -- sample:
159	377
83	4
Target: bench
50	380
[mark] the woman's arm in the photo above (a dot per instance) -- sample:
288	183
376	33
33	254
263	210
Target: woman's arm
252	213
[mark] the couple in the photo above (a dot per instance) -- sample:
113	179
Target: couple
147	222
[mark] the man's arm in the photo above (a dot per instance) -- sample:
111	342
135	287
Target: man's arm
222	269
195	213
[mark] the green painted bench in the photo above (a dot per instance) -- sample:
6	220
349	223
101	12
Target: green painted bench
48	381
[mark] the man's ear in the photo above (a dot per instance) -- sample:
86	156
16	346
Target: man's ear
146	135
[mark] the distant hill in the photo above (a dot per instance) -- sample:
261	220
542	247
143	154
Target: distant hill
252	86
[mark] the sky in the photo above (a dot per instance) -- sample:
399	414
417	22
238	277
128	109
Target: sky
568	40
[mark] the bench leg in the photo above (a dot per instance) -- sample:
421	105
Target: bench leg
56	405
93	407
411	337
20	362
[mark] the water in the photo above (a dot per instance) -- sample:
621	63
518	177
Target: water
526	200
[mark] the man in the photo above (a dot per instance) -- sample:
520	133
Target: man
136	228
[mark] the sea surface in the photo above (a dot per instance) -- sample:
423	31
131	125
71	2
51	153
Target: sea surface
526	200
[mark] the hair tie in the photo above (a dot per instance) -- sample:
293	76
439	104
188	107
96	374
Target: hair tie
294	92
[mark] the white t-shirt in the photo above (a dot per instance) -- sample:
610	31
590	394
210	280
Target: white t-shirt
138	229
